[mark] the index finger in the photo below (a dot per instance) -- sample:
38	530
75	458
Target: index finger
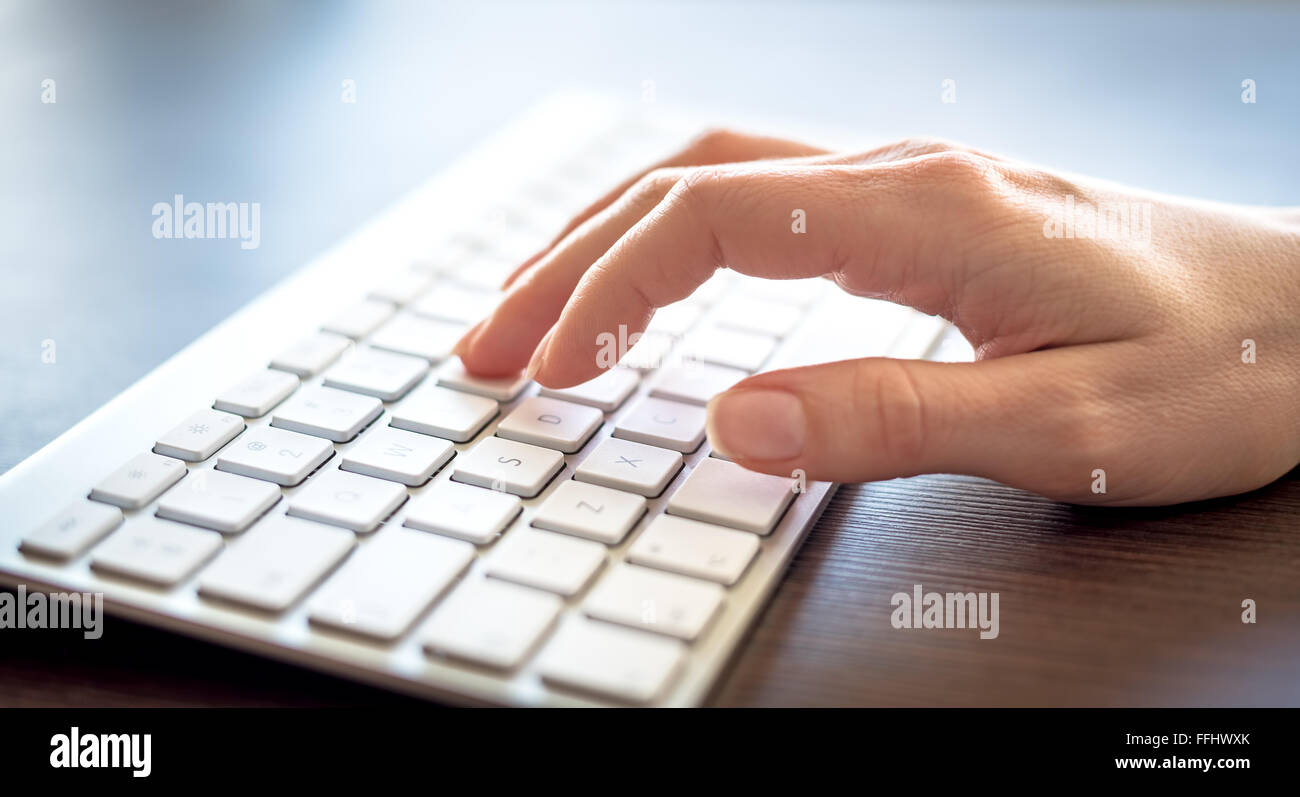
707	149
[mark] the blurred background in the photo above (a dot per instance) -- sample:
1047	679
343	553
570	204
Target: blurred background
240	101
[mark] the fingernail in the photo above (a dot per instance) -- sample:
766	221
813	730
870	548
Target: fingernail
539	356
757	424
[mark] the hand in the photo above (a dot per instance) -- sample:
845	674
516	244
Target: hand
1126	354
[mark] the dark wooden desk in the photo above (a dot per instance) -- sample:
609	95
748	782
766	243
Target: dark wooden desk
1097	608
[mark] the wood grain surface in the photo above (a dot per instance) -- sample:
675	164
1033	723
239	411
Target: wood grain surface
1098	607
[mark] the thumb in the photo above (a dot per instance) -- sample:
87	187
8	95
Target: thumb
879	418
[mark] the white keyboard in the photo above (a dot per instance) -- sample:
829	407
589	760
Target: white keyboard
314	480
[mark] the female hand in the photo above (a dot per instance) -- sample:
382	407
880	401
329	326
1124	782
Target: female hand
1167	355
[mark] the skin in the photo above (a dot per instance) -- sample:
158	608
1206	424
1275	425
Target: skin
1123	355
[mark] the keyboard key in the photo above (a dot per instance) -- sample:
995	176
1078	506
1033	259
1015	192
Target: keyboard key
587	510
611	661
722	492
509	466
756	315
444	413
695	382
200	435
360	319
695	549
336	415
491	622
69	533
654	601
459	510
346	499
275	563
728	347
666	424
551	423
453	375
258	394
419	337
398	456
139	481
275	455
632	467
553	562
219	501
155	551
401	287
457	303
606	392
389	582
382	374
311	355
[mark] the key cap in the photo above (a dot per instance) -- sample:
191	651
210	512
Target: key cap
444	413
551	423
457	303
275	563
695	549
139	481
347	499
329	413
360	319
722	492
389	582
756	315
459	510
419	337
258	394
398	456
155	551
219	501
312	354
69	533
695	382
587	510
553	562
728	347
666	424
654	601
200	435
632	467
401	287
275	455
453	375
491	622
608	660
514	467
382	374
606	392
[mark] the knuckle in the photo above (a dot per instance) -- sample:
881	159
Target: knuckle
694	187
653	185
714	143
957	167
904	427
